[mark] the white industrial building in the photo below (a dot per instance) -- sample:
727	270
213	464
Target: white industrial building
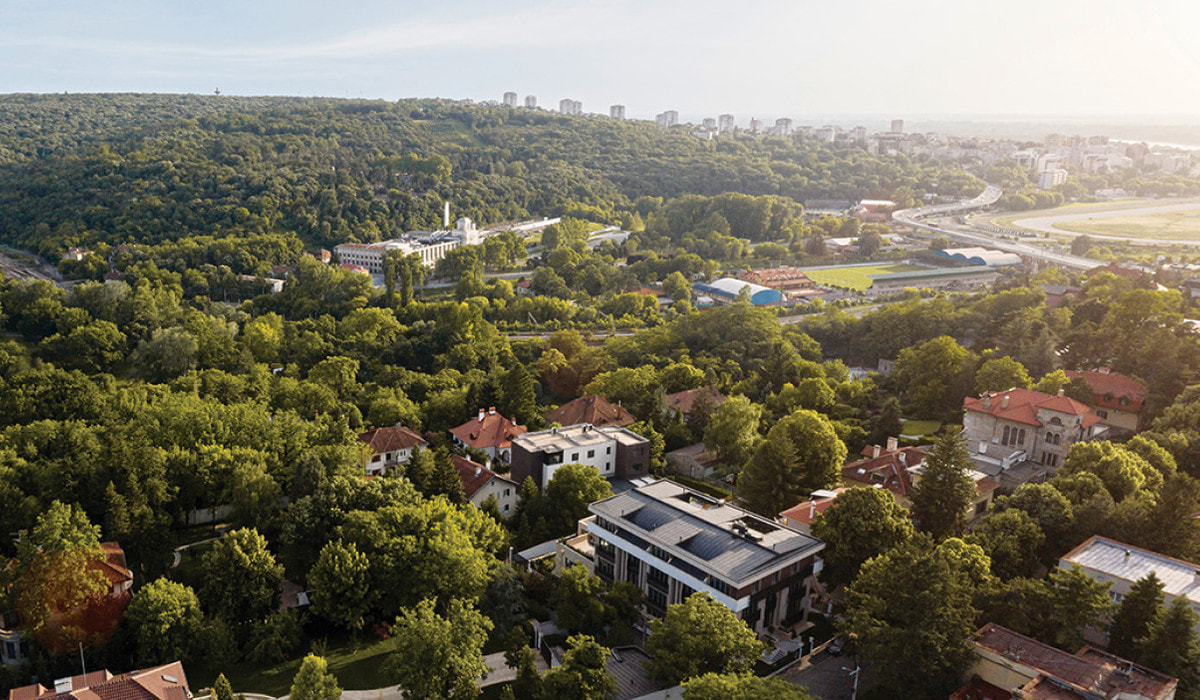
430	245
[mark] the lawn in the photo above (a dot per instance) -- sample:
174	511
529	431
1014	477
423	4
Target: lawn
858	278
919	428
358	664
1171	225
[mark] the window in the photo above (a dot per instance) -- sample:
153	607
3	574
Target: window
657	599
591	453
608	466
1021	437
1102	414
1004	440
574	456
376	458
608	450
1116	597
10	650
505	507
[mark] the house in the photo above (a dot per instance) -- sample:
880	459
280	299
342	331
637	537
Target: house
489	432
660	297
1120	565
1011	665
114	568
613	451
76	253
387	447
1057	294
694	461
681	402
167	682
1010	466
898	469
1044	426
671	541
1116	398
479	483
593	409
801	516
985	489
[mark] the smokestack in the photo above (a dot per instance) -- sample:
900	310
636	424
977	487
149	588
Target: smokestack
446	216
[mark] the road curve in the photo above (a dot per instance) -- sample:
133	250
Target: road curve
1046	223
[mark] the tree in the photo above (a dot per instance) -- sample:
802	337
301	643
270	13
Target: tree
165	620
802	452
583	674
241	577
169	353
861	524
935	376
1049	509
273	639
1077	601
571	490
439	657
677	286
577	602
517	398
715	686
1137	610
1171	646
445	481
733	430
520	657
1000	374
912	609
341	585
1081	244
222	690
567	233
1123	471
1011	540
700	636
314	681
944	492
420	469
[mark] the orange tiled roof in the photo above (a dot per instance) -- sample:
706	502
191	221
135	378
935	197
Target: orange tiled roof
1108	388
595	409
390	439
886	470
683	401
167	682
1021	406
489	429
808	511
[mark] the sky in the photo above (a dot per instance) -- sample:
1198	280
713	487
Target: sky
765	58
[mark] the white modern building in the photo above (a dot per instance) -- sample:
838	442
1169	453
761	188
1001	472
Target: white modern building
569	106
1048	179
531	102
431	246
614	452
671	541
726	124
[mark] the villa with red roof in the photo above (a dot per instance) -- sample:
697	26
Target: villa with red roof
489	432
1042	425
801	516
898	469
593	409
387	447
479	483
1116	398
166	682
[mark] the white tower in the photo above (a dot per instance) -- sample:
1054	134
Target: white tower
446	216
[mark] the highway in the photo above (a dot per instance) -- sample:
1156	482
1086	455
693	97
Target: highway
988	197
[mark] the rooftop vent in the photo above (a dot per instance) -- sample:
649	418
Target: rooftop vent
63	685
170	679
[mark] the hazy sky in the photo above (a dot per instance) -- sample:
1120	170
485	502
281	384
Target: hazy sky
752	57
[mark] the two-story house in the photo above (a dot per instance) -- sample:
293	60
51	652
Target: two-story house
1116	398
1042	425
489	432
387	447
479	483
613	451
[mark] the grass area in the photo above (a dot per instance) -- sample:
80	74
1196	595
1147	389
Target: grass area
858	278
1177	225
358	664
919	428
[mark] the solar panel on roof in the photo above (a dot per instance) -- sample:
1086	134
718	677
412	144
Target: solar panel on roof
707	545
651	516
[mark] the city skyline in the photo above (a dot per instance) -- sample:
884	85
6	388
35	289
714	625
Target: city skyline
768	59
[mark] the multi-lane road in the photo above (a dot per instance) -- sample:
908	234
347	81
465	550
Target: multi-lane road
915	217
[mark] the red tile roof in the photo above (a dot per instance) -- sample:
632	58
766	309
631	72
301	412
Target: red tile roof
488	429
887	470
1021	406
594	409
390	439
979	689
473	475
808	511
1109	388
682	401
166	682
113	565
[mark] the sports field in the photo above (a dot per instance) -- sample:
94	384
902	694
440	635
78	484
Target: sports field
1161	220
854	277
1167	225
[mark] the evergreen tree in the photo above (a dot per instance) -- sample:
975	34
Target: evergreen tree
1133	617
1171	645
944	491
444	481
420	469
518	400
222	690
314	681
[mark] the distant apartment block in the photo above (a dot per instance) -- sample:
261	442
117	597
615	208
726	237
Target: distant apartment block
612	450
897	126
531	102
671	541
617	112
510	99
756	125
569	106
783	127
709	123
859	134
1049	179
668	118
726	124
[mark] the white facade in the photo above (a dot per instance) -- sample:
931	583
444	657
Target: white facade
507	493
431	247
1048	179
510	99
531	102
725	124
668	118
897	126
569	106
617	112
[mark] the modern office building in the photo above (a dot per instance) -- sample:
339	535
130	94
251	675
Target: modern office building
671	541
612	450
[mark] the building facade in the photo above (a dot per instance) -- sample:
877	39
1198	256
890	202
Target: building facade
1042	425
1116	398
431	246
479	483
489	432
612	450
617	112
388	447
510	99
726	124
671	541
668	118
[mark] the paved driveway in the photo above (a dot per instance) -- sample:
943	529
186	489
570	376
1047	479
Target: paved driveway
824	676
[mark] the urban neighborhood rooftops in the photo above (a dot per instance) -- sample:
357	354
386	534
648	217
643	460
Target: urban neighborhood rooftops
583	435
166	682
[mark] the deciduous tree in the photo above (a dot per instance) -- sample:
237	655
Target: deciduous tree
700	636
439	656
861	524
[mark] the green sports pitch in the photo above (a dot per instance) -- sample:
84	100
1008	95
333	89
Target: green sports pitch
857	277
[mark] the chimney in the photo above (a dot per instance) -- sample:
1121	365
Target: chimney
1061	390
875	449
893	443
812	509
482	413
491	410
478	469
987	400
1004	402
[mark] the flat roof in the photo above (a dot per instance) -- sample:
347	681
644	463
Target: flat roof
579	435
935	272
706	532
1124	561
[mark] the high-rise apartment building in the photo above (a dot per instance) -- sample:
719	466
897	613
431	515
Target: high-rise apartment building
897	126
668	118
617	112
510	99
725	124
569	106
531	102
